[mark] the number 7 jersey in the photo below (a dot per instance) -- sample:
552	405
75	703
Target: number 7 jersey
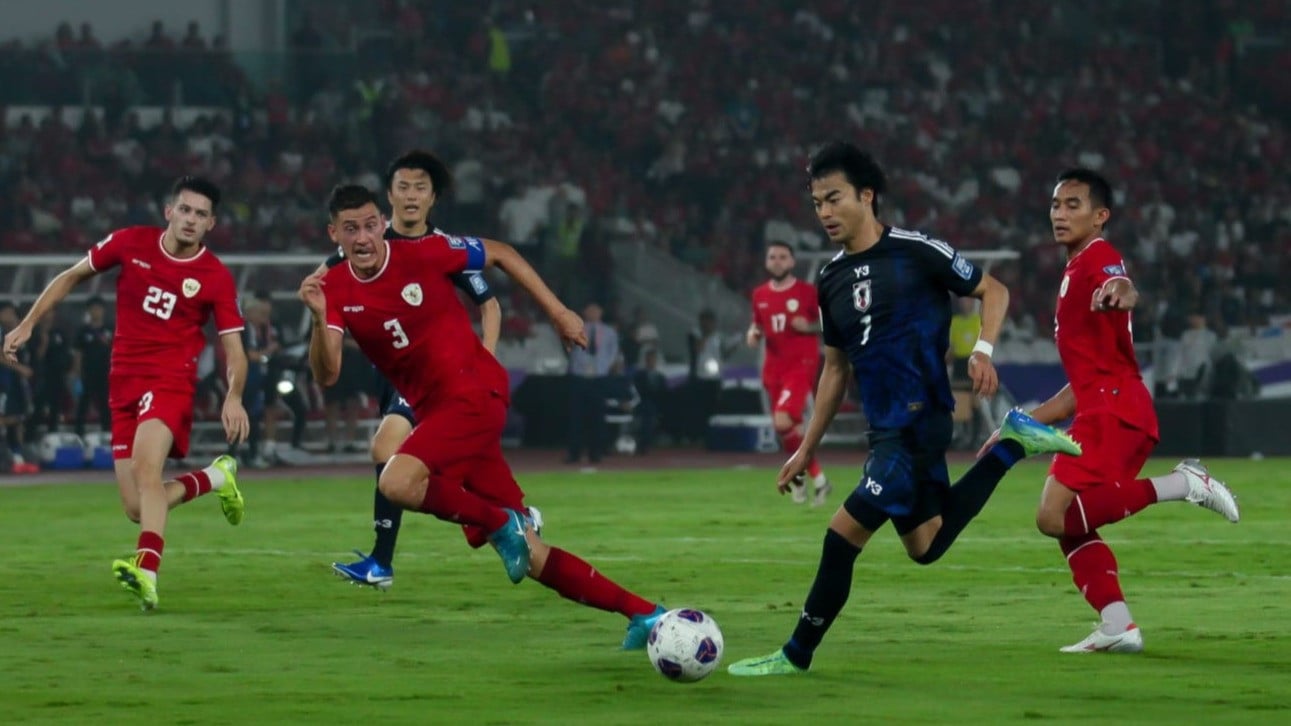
163	302
409	322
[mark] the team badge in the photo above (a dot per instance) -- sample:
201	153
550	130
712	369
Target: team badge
412	294
1062	291
478	285
791	305
190	287
962	267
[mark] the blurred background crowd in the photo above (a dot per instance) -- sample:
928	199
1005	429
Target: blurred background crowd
684	125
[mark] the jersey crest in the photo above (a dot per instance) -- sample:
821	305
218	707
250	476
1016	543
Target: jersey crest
412	294
1062	290
791	305
190	287
862	295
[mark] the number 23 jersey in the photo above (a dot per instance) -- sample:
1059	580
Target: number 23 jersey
162	304
888	310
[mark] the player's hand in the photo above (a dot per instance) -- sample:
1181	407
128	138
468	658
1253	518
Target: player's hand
986	382
792	471
990	441
311	293
753	337
569	326
800	324
15	339
1113	295
236	423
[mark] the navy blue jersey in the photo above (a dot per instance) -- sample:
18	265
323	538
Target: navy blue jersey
888	310
471	283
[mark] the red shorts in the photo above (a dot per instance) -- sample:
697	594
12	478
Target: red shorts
460	440
135	399
1113	451
787	390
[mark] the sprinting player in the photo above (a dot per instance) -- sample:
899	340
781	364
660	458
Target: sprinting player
885	318
786	316
170	284
1115	421
414	182
398	302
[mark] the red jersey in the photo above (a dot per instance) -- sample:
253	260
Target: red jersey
410	323
772	312
1097	348
163	302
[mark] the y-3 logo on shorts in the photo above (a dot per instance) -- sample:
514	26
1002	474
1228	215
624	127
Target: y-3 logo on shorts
873	487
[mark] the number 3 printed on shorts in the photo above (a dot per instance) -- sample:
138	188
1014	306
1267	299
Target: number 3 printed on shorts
400	337
145	402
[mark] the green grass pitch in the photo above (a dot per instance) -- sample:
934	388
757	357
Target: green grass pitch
253	628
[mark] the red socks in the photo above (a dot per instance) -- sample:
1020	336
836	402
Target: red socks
196	483
576	580
1093	569
148	551
791	440
446	499
1107	503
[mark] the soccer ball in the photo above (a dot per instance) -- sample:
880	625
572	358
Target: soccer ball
685	645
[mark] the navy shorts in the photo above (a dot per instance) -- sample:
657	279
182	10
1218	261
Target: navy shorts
905	475
393	404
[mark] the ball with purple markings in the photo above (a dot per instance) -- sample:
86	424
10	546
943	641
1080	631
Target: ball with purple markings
685	645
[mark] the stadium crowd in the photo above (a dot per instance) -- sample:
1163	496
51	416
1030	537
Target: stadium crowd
685	125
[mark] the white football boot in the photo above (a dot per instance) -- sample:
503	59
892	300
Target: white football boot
1208	492
1131	641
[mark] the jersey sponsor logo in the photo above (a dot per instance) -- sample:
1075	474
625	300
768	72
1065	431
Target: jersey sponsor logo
479	285
873	487
141	263
1114	269
352	308
412	294
962	267
190	287
1062	291
862	271
791	305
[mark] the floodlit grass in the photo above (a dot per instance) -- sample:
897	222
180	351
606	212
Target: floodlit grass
252	626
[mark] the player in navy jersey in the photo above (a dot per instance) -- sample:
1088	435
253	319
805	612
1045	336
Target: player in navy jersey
885	309
414	182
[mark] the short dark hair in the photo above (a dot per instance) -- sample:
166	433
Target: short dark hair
861	170
1100	190
780	243
196	185
349	196
440	177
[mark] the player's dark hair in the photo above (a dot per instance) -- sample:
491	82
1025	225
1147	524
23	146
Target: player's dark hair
861	170
1100	191
440	177
780	243
196	185
349	196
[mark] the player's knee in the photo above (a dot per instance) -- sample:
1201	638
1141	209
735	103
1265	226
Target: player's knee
398	487
783	422
131	510
1051	524
381	450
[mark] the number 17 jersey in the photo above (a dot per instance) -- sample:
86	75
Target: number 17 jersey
163	302
773	313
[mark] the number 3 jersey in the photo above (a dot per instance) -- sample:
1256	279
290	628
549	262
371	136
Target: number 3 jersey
409	322
888	309
163	302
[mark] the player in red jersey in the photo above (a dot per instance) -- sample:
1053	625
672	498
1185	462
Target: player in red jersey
169	285
1115	422
399	304
787	316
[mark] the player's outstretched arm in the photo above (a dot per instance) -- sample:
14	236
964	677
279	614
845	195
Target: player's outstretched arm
1117	293
566	322
829	396
234	414
53	294
995	305
490	324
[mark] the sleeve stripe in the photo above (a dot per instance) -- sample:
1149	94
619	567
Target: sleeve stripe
1117	277
936	244
337	328
238	329
89	259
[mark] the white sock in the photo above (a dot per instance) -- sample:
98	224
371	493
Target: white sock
1171	487
216	476
149	574
820	480
1116	619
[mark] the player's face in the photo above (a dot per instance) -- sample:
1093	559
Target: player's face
1074	218
411	196
779	263
841	210
190	217
360	233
